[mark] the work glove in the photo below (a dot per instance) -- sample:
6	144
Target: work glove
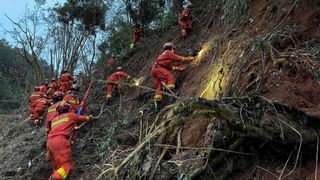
189	58
178	68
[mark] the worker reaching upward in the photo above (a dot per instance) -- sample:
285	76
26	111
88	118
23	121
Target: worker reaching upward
36	94
161	70
185	20
58	144
114	80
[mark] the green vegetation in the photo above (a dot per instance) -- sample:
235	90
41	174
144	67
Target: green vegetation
16	77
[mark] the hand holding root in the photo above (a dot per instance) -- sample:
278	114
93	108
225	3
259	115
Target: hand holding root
91	117
189	58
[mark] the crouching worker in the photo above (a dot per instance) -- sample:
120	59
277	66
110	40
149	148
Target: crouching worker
161	72
58	140
114	80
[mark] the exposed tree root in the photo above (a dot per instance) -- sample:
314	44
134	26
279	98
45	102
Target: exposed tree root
237	121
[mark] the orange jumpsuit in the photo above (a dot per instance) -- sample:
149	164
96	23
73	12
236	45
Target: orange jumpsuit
33	98
52	113
53	87
58	144
161	71
43	89
113	81
40	106
74	101
136	35
185	22
66	81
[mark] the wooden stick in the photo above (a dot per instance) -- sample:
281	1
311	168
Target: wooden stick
178	141
157	164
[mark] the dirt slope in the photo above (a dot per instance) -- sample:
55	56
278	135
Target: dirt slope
267	48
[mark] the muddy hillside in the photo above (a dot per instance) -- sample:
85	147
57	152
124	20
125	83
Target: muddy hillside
248	106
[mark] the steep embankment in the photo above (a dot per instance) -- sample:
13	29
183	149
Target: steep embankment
267	50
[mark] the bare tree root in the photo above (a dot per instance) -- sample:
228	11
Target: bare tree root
236	121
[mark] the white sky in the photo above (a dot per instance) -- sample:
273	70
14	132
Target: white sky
15	9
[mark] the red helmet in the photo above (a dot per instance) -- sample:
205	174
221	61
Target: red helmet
119	68
57	94
63	107
168	45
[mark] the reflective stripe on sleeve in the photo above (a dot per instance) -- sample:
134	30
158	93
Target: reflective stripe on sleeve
62	120
52	110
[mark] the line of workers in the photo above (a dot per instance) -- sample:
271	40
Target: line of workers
60	100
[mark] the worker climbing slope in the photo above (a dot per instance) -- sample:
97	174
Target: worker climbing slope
161	70
53	87
72	98
66	81
36	94
58	144
109	62
114	82
52	110
137	32
43	88
185	20
39	109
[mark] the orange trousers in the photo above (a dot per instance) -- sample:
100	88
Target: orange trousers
184	26
110	87
161	75
60	153
38	112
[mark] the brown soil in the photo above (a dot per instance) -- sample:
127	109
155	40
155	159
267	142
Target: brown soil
194	132
239	55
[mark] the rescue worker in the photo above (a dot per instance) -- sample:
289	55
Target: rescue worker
44	87
72	98
58	144
185	20
66	81
136	35
113	81
39	108
57	97
33	99
161	70
110	62
53	87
